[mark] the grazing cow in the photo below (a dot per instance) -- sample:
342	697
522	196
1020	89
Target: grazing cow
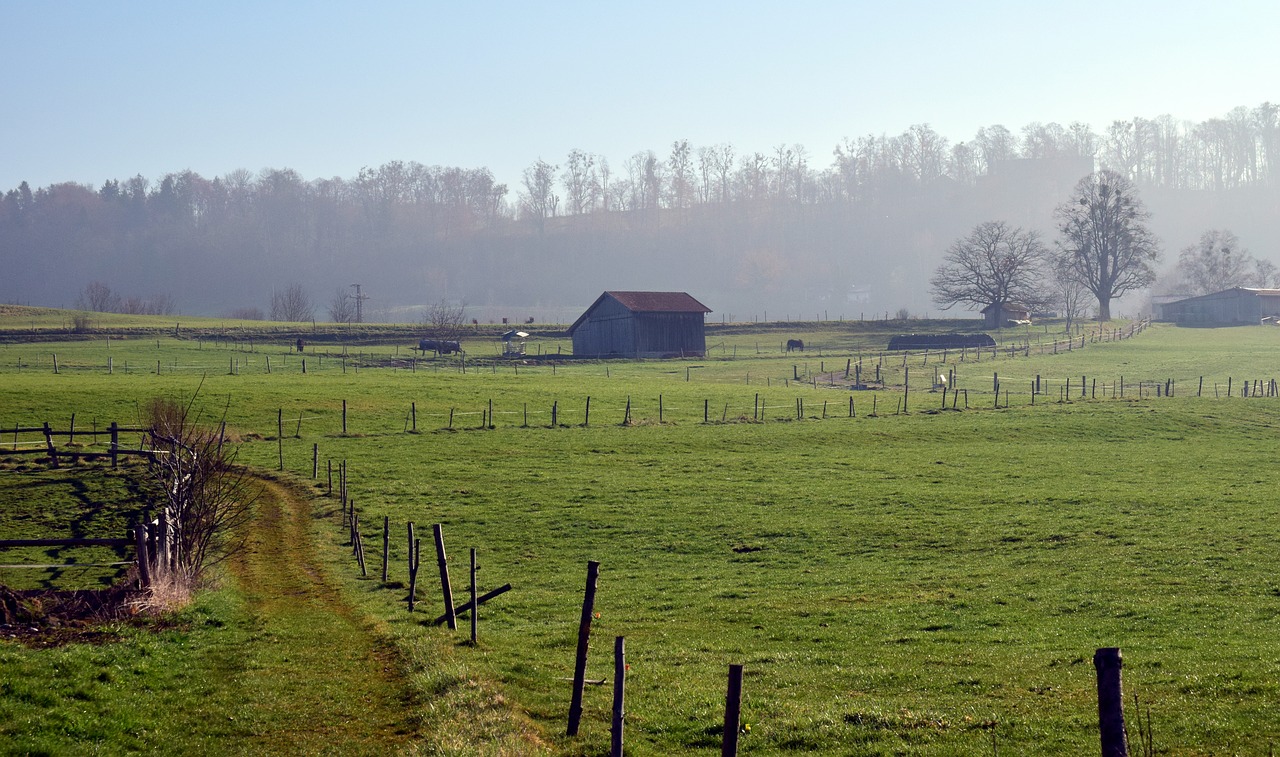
795	344
439	346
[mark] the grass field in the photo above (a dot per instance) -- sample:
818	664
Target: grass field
923	583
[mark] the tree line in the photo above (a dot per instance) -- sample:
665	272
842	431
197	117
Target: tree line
751	230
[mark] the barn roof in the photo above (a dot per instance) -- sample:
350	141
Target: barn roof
648	302
1007	306
1233	290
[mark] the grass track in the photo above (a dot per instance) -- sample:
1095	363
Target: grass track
315	674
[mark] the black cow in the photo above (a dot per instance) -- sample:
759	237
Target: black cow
795	344
439	346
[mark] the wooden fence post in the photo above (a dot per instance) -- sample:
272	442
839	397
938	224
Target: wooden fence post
475	606
115	444
48	443
386	544
584	637
619	695
732	712
1110	703
140	547
413	567
438	532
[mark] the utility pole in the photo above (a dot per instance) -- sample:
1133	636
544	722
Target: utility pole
359	298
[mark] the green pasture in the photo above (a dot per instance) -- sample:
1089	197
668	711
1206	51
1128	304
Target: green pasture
923	583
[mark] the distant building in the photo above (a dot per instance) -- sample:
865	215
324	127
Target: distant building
999	314
641	324
1230	307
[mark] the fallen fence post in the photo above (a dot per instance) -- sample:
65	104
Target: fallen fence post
460	609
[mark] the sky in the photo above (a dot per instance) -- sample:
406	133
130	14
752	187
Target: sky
96	91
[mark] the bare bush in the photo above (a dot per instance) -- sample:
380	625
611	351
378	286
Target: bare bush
207	498
444	320
247	314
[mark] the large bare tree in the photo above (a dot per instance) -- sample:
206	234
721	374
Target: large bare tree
1105	243
996	264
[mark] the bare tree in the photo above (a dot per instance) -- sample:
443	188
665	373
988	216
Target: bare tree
207	498
1218	261
539	201
291	304
994	265
98	297
342	308
443	320
1068	295
1105	242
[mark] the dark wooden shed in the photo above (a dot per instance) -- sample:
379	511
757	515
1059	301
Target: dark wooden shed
641	324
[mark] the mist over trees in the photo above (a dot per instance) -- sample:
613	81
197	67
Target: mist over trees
784	233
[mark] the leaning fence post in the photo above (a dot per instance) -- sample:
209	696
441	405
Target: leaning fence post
584	637
438	531
1110	703
732	712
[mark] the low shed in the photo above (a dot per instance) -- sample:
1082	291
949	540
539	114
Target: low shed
1238	305
1001	313
641	324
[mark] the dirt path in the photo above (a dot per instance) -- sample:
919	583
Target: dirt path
316	679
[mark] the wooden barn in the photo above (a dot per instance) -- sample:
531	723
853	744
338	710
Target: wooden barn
1239	305
1000	314
641	324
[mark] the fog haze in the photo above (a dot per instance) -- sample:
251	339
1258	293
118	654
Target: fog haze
210	155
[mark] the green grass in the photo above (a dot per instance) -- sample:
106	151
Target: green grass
897	584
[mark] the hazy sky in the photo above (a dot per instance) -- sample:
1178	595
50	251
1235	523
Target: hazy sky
99	90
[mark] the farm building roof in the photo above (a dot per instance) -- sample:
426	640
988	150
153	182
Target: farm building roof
649	302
